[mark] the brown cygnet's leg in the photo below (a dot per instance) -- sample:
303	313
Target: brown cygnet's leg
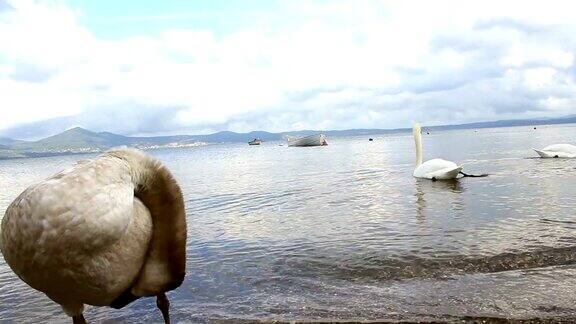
164	305
78	319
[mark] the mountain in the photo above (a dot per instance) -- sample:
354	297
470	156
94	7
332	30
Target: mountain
512	122
227	136
74	139
80	140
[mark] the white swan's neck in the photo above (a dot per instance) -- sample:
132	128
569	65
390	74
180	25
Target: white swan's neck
417	131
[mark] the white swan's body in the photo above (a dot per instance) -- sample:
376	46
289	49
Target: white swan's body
435	169
557	151
105	232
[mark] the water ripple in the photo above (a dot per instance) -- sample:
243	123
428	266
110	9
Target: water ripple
344	232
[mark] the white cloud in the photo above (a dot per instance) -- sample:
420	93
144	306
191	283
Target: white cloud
338	64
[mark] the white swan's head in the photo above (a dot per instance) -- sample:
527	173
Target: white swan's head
417	129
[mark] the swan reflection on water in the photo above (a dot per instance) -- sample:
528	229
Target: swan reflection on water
427	192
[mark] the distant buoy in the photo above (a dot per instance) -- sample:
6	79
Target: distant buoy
370	140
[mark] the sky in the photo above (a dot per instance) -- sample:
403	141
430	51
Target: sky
195	67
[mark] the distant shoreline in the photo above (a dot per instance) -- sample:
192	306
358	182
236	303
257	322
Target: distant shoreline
8	154
33	155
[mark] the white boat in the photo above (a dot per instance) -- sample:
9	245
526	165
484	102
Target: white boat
312	140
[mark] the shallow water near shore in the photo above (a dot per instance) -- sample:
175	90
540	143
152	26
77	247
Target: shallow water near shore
344	232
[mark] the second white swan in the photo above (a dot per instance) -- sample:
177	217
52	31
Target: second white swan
557	151
435	169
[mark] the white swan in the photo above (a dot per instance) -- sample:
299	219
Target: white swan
105	232
436	169
557	151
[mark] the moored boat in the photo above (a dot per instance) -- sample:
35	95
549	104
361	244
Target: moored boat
312	140
255	141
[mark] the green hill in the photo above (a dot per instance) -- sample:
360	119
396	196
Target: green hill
73	139
80	140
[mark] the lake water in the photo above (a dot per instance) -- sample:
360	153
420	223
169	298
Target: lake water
344	232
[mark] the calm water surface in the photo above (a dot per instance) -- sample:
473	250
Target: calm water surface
345	232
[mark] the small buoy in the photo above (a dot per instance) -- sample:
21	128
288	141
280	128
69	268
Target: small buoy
370	140
534	127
